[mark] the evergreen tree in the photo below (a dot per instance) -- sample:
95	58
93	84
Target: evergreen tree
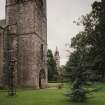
52	69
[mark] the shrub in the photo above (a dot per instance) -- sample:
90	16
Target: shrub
78	95
60	86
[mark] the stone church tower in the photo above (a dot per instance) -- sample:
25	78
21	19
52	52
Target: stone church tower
57	58
26	41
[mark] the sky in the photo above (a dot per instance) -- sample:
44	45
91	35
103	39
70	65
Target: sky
60	26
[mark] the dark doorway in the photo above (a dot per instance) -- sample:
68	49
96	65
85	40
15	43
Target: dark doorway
41	78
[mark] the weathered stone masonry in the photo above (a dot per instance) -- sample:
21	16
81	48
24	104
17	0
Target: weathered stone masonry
27	38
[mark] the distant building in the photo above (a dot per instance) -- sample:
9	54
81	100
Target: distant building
57	58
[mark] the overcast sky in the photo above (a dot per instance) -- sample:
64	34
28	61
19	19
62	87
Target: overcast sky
60	15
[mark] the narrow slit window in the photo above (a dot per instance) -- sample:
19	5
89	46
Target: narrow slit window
41	51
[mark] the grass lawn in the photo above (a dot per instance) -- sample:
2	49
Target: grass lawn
50	96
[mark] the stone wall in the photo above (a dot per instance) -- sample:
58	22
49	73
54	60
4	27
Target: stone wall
27	22
1	57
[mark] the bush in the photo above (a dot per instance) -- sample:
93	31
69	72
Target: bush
60	86
78	92
78	95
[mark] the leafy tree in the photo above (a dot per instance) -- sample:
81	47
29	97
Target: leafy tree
87	62
92	38
52	69
99	36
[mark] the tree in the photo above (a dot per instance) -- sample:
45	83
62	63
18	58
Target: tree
52	69
99	36
92	38
89	54
78	70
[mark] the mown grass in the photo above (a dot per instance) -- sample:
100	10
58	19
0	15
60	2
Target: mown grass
50	96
